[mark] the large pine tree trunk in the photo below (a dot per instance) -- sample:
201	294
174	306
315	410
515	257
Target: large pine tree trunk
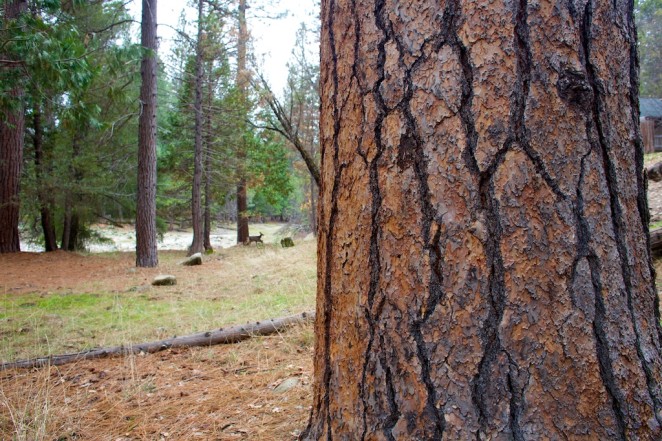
484	270
12	125
146	248
242	84
11	160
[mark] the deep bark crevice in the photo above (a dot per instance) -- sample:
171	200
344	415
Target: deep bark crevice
598	320
602	349
617	216
582	228
394	415
411	153
373	256
497	299
431	247
413	149
375	232
516	403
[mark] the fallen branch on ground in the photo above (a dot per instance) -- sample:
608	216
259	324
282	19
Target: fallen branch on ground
232	334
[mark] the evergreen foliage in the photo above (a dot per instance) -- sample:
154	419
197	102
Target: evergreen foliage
80	78
648	14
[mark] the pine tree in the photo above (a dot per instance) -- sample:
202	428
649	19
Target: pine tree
146	251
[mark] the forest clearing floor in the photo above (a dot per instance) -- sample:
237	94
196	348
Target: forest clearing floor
52	303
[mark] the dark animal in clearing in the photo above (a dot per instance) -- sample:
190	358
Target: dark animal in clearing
255	239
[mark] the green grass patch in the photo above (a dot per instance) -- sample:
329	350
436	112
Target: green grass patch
33	326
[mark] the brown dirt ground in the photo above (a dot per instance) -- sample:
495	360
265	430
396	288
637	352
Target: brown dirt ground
216	393
63	271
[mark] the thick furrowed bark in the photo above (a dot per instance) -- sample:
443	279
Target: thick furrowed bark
12	126
484	270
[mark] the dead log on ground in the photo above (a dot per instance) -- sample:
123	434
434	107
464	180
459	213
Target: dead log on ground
229	335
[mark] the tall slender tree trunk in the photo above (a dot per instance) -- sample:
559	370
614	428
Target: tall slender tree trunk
208	164
207	213
12	125
146	249
47	225
70	228
66	224
242	83
484	269
75	243
197	246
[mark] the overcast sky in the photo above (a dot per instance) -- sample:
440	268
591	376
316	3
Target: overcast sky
273	39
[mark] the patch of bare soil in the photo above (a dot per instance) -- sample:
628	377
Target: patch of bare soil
63	271
58	271
226	392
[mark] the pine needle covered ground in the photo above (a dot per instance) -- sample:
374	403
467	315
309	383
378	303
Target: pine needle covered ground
63	302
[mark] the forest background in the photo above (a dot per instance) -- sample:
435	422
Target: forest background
79	74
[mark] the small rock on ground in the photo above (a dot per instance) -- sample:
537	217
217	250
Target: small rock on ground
164	280
195	259
286	385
